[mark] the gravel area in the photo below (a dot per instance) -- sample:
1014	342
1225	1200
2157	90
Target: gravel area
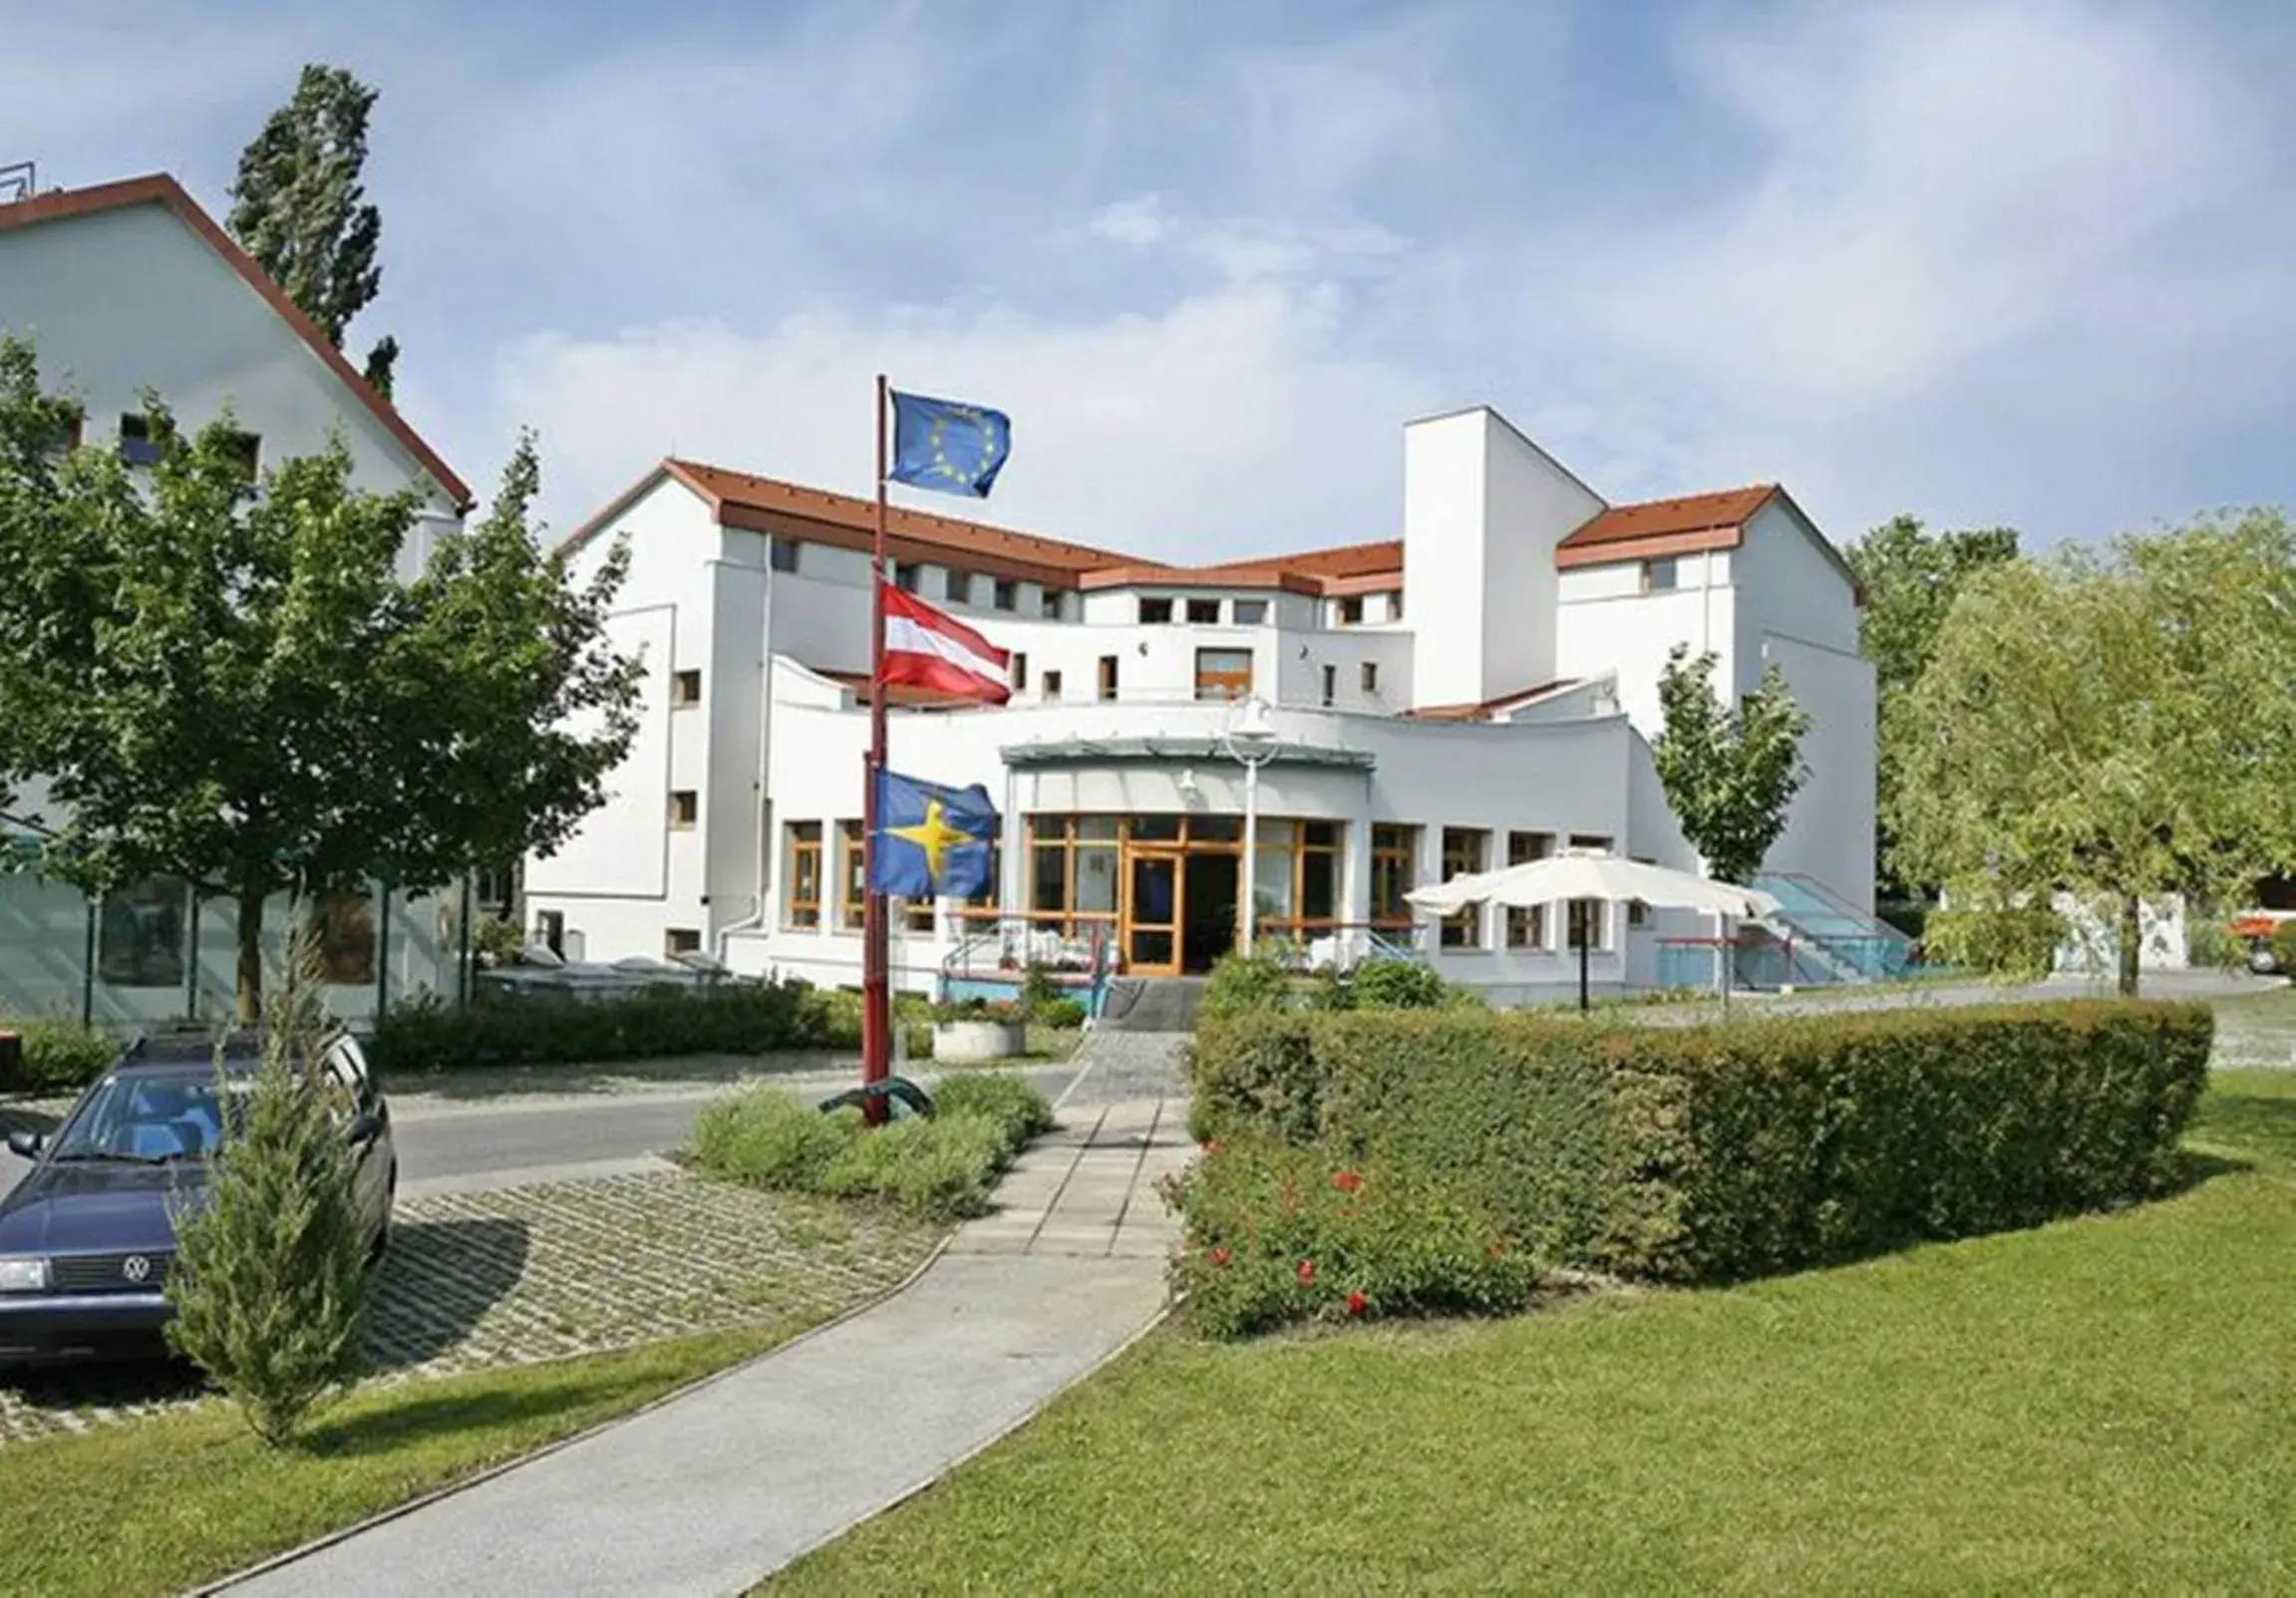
520	1275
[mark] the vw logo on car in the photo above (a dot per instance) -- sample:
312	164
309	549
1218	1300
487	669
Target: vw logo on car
135	1267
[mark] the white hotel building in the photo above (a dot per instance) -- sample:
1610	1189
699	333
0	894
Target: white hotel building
1481	689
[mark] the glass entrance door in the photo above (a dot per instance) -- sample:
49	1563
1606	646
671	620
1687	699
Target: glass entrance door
1152	913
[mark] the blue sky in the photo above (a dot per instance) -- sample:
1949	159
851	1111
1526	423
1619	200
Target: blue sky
2025	261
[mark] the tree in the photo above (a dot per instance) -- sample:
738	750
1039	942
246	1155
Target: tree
299	209
1910	576
231	684
1728	773
269	1285
2115	726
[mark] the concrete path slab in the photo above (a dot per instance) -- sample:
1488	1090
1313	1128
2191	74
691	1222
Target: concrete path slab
713	1491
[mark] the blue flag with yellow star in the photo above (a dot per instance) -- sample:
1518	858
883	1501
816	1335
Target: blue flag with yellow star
948	446
932	841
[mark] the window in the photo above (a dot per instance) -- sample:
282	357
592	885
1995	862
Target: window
1588	922
1108	677
1371	676
1155	612
247	449
1637	912
1250	612
905	576
685	688
1318	872
140	445
1203	612
1222	673
1050	603
71	427
346	938
1073	872
785	554
1020	669
1395	605
1659	575
1351	611
681	940
141	935
852	887
550	930
1526	924
685	808
1394	873
1330	684
1006	594
958	586
1052	684
1464	848
804	908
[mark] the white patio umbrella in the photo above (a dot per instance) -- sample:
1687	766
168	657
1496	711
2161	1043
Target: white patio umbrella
1595	876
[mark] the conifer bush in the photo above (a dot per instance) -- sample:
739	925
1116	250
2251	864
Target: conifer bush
269	1282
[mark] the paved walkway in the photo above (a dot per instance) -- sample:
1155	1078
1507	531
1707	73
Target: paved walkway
713	1491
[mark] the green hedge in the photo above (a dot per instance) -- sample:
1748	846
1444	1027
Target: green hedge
736	1017
1717	1152
941	1168
58	1056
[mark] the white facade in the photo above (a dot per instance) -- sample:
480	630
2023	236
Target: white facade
1461	686
127	288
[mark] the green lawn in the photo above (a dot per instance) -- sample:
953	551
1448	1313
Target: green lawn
2107	1404
157	1505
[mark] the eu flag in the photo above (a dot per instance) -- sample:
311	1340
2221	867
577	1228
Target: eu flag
932	841
948	446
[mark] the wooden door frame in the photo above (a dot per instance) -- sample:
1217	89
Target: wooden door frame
1176	854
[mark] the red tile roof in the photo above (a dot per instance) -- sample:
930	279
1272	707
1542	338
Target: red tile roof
768	505
1665	527
159	189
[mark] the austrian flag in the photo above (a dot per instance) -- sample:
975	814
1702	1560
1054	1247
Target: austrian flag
926	649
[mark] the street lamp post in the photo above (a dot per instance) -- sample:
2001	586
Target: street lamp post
1251	739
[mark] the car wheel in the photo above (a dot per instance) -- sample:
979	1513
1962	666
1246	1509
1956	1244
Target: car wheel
381	1242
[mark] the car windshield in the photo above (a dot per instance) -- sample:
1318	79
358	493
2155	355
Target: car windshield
145	1117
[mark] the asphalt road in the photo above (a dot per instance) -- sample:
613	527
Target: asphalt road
507	1142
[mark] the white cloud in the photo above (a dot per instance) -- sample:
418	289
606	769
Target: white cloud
1964	225
1233	420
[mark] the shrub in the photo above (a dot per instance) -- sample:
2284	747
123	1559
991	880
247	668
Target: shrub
773	1139
2015	945
2283	947
1037	991
977	1008
1019	1112
1388	984
268	1284
736	1017
2209	943
498	940
1242	986
1277	1233
1724	1150
58	1055
1060	1013
940	1170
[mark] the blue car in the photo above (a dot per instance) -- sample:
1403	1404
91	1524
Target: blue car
88	1235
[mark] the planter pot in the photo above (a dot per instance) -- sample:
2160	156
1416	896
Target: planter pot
970	1042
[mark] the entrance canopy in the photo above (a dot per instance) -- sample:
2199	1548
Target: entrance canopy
1594	876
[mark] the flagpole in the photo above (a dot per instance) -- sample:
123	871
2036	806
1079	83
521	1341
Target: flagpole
877	989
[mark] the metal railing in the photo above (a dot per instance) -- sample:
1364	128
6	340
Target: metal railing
1867	947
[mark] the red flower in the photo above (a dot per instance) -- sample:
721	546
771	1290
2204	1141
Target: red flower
1211	1146
1356	1303
1306	1272
1221	1256
1497	1249
1347	1181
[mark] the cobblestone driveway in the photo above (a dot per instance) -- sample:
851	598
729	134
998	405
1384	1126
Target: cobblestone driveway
540	1273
